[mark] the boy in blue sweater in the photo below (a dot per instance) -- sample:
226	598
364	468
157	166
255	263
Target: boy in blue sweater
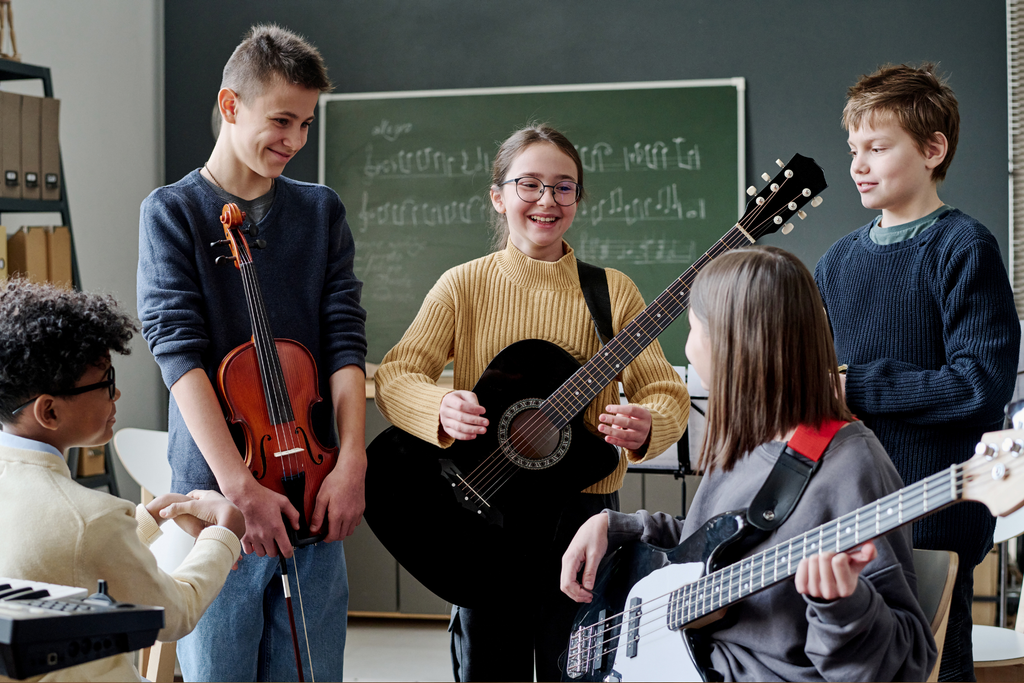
194	312
922	313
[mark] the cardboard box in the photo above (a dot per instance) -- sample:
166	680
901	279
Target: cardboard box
3	252
26	251
31	180
10	162
58	256
49	149
92	461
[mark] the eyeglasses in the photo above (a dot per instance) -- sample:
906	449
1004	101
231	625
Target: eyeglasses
529	189
107	382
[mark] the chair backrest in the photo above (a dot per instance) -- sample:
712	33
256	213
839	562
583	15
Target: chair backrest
936	572
143	452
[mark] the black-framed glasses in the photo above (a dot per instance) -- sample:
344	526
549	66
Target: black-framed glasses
530	189
107	382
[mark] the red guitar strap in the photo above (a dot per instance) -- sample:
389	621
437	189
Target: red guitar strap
789	477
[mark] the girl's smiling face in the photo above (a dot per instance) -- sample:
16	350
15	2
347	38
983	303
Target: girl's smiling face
536	229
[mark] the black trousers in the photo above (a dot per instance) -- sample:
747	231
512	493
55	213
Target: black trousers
528	625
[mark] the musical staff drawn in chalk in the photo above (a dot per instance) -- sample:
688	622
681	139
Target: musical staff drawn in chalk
416	213
426	162
639	251
664	206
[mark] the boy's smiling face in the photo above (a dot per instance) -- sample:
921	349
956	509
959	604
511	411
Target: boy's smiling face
892	173
273	127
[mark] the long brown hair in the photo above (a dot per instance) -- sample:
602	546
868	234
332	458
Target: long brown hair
507	153
773	363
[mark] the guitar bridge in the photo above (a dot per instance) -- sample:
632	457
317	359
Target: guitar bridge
468	496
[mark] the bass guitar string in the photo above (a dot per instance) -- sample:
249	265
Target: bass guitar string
914	506
534	425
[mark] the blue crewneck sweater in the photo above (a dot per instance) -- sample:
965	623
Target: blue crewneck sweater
930	332
194	312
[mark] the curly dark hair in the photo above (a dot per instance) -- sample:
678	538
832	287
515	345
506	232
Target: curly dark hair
50	336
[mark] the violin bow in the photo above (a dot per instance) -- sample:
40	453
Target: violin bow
291	618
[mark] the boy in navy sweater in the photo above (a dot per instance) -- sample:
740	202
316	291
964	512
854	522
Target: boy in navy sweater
193	313
922	313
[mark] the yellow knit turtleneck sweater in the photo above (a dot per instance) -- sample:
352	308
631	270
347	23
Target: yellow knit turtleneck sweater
477	309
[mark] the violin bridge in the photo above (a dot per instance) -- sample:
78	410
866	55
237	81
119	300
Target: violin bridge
281	454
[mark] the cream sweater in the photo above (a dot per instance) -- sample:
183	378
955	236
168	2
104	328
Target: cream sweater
57	531
477	309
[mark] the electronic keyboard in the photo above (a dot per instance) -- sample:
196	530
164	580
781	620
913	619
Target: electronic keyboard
44	627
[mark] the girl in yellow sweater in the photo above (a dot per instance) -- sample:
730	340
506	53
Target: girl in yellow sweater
530	289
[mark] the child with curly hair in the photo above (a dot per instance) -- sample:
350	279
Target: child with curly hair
57	391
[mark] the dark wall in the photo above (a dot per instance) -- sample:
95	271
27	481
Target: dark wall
798	58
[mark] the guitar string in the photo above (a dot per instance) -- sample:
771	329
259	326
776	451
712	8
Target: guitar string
912	507
507	468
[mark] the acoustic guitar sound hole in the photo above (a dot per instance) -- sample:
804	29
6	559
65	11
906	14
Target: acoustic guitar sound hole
529	439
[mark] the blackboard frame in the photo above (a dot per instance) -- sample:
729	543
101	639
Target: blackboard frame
674	338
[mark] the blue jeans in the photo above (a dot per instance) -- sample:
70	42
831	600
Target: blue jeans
245	636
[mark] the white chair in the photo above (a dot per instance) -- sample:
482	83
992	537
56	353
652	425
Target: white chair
936	572
143	452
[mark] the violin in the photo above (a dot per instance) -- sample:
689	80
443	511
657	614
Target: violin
268	387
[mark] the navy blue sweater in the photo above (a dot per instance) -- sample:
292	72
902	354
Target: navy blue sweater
194	312
930	332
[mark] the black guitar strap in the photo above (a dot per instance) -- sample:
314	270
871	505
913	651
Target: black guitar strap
594	283
789	477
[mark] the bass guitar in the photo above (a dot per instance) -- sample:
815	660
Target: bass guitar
646	599
488	502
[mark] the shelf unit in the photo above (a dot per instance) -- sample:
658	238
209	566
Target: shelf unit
14	71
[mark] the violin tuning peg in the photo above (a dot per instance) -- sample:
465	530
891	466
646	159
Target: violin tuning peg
765	176
816	202
751	190
221	260
779	163
260	244
252	230
219	243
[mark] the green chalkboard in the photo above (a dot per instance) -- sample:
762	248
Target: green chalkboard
663	181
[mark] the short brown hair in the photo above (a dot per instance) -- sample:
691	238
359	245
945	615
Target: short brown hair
774	366
918	100
268	52
512	148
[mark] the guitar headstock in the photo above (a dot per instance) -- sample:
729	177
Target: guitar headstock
797	184
995	475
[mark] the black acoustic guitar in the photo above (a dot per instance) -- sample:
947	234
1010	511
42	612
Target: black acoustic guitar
647	599
468	520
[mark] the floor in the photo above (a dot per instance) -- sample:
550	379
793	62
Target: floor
397	650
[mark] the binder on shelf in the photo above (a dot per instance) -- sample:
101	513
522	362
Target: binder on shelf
49	148
26	251
3	252
58	256
31	184
10	131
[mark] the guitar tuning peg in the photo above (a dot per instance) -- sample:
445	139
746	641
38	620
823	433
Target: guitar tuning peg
787	228
751	191
221	260
260	244
816	202
802	214
219	243
779	163
765	176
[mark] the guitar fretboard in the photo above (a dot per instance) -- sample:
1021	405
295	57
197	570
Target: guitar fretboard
735	582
